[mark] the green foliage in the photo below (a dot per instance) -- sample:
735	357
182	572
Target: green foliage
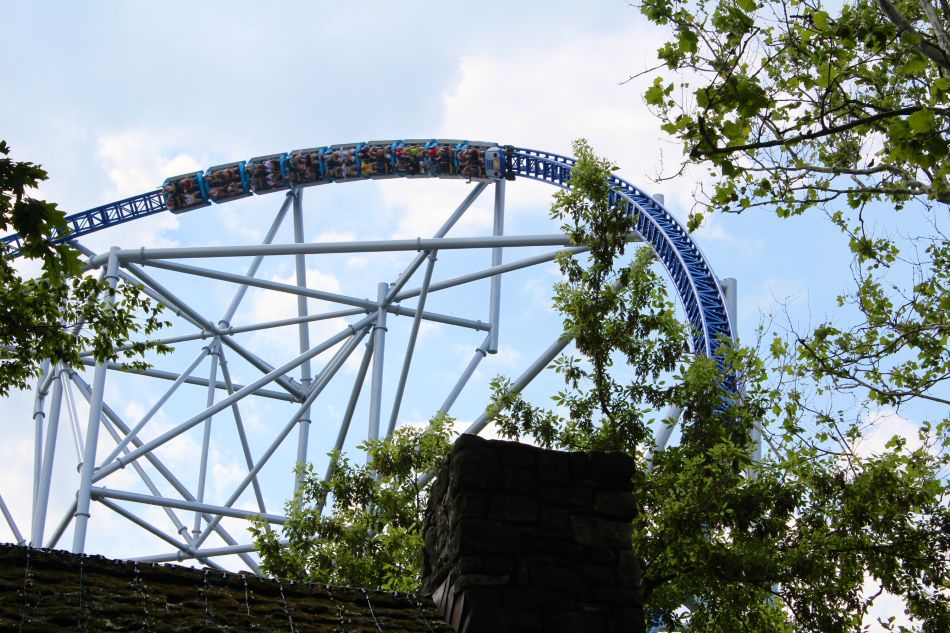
59	312
793	105
782	544
786	543
789	96
373	538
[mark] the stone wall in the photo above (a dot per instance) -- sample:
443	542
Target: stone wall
521	539
45	591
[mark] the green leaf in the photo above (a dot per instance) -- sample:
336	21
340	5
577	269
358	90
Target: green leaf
654	95
922	121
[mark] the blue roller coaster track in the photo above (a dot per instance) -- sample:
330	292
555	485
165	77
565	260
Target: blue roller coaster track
695	283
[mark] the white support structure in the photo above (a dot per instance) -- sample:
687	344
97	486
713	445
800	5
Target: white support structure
202	442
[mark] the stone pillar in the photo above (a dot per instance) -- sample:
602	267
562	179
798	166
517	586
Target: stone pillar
519	539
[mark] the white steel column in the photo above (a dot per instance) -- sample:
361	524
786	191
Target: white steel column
49	452
379	344
206	435
411	345
92	428
494	308
303	332
39	415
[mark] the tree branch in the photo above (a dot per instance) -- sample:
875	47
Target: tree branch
936	54
697	152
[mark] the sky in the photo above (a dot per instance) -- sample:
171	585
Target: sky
112	97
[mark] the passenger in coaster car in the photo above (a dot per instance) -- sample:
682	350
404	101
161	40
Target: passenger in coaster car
348	162
190	194
173	197
332	165
379	154
303	165
272	168
470	162
255	176
409	157
367	168
440	160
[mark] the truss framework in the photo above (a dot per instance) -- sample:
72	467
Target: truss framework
301	380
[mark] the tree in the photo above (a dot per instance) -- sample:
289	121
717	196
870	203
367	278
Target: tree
373	538
793	105
59	312
785	544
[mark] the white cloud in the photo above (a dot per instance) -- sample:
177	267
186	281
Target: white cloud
531	104
137	160
882	425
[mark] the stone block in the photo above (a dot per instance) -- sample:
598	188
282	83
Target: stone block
537	598
554	520
573	497
554	469
483	537
518	479
513	509
499	620
601	533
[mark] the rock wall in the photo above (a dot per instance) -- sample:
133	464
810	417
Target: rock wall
46	591
521	539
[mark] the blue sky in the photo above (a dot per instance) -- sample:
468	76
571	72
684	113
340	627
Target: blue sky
112	97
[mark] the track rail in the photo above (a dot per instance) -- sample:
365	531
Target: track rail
692	276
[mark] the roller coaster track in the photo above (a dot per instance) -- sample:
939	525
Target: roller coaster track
695	283
700	293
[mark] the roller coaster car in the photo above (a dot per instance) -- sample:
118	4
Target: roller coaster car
339	162
267	173
305	167
408	157
227	182
440	158
495	162
375	159
185	192
470	159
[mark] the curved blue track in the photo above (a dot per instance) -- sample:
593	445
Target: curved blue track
695	283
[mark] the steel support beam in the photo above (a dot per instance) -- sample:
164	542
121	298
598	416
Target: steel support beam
494	306
325	376
194	380
480	352
411	346
379	348
242	435
210	552
49	452
526	377
142	255
39	417
350	408
322	295
442	232
191	506
236	396
490	272
206	436
303	335
92	428
11	523
158	405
